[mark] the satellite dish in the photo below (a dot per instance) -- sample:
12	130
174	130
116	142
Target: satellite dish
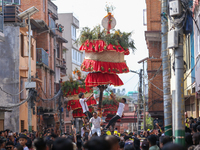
105	22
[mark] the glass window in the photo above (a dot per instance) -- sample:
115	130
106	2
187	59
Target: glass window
67	113
17	2
73	32
44	84
50	86
74	56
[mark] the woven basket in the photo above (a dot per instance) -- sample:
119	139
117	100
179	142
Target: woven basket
105	56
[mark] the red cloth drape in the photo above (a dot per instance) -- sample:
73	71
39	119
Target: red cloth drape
75	104
98	78
79	112
100	46
77	91
104	67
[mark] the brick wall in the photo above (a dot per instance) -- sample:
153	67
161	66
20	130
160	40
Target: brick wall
154	48
41	5
155	96
153	15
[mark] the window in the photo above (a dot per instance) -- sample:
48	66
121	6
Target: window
57	75
50	86
67	113
67	129
44	84
73	32
22	44
188	52
44	5
22	125
17	2
32	52
49	45
58	51
74	56
79	58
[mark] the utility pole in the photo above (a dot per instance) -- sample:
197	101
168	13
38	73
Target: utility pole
140	104
144	98
166	74
29	73
176	41
60	108
27	14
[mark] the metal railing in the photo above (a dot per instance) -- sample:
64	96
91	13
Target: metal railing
42	56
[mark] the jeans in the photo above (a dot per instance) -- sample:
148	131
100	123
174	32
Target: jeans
97	130
113	120
88	115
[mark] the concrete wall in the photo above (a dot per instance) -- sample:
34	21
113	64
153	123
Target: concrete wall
9	74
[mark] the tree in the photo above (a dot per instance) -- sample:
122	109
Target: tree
149	123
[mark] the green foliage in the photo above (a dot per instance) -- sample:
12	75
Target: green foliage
149	123
108	101
71	85
115	37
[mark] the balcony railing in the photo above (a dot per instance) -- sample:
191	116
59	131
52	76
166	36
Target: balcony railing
1	22
42	56
63	69
52	8
11	13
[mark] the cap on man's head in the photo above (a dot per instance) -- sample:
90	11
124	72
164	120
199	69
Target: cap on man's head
22	136
80	94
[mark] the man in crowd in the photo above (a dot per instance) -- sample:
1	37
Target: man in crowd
84	105
152	142
96	124
119	111
23	141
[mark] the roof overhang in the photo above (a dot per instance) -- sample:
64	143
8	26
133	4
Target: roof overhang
42	26
61	39
153	36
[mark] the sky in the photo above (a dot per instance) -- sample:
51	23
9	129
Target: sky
129	18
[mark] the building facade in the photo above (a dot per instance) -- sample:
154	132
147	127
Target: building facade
153	40
72	56
47	65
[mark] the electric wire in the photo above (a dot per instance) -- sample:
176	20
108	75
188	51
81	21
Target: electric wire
13	94
10	106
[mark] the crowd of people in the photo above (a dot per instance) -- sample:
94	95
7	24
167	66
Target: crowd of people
106	141
93	136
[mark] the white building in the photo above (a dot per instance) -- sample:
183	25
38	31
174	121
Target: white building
72	56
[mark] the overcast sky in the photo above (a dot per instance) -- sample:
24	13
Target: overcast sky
129	17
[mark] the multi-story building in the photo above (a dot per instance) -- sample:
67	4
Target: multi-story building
72	56
50	62
47	64
14	64
153	39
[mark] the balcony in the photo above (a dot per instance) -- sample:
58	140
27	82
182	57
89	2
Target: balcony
63	70
1	26
52	8
42	56
11	13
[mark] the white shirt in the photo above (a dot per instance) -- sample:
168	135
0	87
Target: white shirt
95	122
83	104
120	109
25	148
